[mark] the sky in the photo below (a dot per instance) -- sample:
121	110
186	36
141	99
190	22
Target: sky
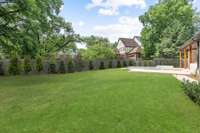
107	18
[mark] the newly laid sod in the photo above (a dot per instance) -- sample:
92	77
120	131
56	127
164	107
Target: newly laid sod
110	101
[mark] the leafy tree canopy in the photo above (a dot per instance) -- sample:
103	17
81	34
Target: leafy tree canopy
97	48
167	25
31	27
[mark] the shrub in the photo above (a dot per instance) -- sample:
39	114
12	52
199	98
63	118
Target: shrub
39	65
1	69
70	66
124	64
14	67
139	63
27	65
91	67
134	63
192	90
146	63
79	65
101	65
110	65
52	68
119	64
62	67
130	63
151	63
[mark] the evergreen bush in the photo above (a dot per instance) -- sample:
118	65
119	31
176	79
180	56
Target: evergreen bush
119	64
79	65
70	66
14	67
130	63
101	67
27	65
62	67
110	65
1	69
39	65
52	66
91	67
124	64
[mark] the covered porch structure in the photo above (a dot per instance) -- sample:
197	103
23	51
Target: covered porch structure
189	54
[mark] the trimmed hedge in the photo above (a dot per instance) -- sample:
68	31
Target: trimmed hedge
192	90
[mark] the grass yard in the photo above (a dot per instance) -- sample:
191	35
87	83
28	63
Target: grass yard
109	101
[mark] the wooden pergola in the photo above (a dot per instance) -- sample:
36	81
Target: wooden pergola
186	52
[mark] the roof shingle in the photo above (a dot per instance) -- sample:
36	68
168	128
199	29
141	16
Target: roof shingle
129	42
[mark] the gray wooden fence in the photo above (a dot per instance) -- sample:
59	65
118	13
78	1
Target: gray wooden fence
4	64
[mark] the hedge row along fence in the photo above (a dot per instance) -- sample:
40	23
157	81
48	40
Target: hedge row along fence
16	66
192	90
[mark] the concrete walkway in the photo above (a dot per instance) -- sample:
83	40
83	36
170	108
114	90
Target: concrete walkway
160	69
179	73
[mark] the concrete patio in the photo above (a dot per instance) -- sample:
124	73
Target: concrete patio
180	74
160	69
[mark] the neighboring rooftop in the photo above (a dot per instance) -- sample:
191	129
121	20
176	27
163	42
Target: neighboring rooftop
137	37
138	40
129	42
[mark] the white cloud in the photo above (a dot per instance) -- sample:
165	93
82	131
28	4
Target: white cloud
81	23
126	27
196	4
111	7
108	12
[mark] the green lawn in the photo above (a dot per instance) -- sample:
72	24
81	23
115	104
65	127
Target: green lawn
110	101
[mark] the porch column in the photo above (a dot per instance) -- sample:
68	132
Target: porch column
198	56
185	58
190	59
180	58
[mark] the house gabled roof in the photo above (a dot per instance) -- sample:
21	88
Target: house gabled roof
138	40
129	42
137	37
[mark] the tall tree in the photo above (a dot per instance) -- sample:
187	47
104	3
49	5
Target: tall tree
27	25
167	25
97	48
